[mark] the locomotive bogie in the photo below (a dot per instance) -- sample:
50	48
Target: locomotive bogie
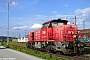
37	44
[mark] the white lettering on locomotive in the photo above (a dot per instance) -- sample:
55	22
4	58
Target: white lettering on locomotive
43	32
70	32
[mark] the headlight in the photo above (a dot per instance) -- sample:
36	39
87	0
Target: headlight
74	36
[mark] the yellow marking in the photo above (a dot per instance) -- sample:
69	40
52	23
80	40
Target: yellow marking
74	36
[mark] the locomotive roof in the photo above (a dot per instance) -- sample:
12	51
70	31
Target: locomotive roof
56	20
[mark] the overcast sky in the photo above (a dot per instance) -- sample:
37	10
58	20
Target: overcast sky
30	14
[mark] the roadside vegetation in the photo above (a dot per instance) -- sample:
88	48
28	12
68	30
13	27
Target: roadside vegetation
87	51
22	48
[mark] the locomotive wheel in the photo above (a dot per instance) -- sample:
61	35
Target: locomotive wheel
48	49
27	45
61	53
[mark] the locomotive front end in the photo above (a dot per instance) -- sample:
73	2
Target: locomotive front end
72	44
66	37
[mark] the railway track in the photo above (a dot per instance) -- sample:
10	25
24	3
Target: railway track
87	44
72	57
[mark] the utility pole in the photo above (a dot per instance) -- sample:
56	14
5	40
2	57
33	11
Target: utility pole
2	34
19	36
13	36
8	24
25	34
83	28
83	25
75	20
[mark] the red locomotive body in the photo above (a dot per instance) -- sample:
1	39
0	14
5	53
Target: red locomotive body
64	33
56	35
37	36
30	35
44	35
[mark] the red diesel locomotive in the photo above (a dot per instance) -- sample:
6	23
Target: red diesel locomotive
57	36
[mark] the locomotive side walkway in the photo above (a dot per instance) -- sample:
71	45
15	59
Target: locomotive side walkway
9	54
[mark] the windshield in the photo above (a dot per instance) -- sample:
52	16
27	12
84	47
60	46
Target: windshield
44	26
56	23
52	24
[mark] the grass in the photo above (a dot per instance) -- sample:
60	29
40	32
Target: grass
32	52
19	44
87	51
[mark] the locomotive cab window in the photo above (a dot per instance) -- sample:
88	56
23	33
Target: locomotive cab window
52	24
44	25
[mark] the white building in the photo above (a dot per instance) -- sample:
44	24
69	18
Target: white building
22	40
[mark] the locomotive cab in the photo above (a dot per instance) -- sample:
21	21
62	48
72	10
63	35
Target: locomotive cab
58	22
47	29
54	23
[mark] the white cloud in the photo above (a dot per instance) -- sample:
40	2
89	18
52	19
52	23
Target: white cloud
83	14
13	3
36	25
83	11
54	12
19	27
